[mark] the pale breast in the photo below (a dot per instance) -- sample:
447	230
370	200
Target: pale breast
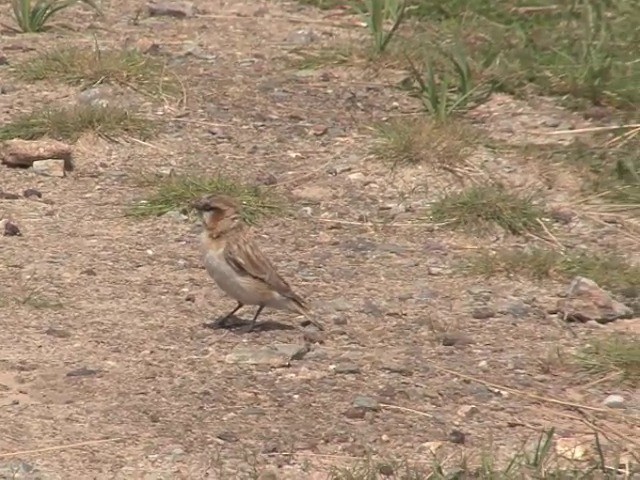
241	288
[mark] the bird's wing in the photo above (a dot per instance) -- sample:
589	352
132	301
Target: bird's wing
246	258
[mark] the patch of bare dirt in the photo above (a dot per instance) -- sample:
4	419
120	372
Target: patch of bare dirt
102	314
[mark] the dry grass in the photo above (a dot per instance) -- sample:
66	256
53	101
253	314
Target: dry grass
536	459
611	271
176	192
69	123
483	206
128	68
418	140
615	354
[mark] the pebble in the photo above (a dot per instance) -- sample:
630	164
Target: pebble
614	401
482	313
346	368
468	411
452	339
366	403
32	192
456	436
355	413
11	229
49	168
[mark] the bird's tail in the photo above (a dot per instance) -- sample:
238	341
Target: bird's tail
298	305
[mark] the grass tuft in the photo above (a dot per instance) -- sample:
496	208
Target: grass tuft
176	192
420	141
537	459
617	353
70	123
536	263
610	271
481	206
33	17
86	68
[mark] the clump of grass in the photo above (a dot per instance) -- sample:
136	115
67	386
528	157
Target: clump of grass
534	459
537	263
33	17
610	271
177	192
481	206
447	86
614	354
421	140
85	68
70	123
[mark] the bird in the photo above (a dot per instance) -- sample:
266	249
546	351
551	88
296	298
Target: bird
238	266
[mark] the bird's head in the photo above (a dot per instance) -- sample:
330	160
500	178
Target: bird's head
220	213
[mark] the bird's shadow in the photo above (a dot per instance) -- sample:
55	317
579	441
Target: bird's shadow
240	325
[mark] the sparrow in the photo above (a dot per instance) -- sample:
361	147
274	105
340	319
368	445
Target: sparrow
238	266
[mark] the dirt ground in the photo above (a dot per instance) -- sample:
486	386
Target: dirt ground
102	314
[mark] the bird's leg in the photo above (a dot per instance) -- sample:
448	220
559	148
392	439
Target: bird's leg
224	319
255	317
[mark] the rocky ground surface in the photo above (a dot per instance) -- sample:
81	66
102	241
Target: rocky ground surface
104	356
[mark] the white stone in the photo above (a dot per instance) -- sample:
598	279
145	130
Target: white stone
614	401
49	168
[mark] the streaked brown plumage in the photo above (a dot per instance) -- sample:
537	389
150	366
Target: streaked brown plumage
237	265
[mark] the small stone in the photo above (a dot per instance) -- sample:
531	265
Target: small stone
190	297
339	320
356	177
346	368
98	96
338	169
456	436
482	313
398	368
171	9
305	212
8	196
32	192
456	339
268	475
518	309
468	411
366	403
49	168
340	305
313	335
302	37
227	437
90	272
11	229
318	130
355	413
83	372
586	301
386	470
295	352
57	332
614	401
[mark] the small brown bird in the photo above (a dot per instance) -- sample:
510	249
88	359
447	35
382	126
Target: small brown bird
238	266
